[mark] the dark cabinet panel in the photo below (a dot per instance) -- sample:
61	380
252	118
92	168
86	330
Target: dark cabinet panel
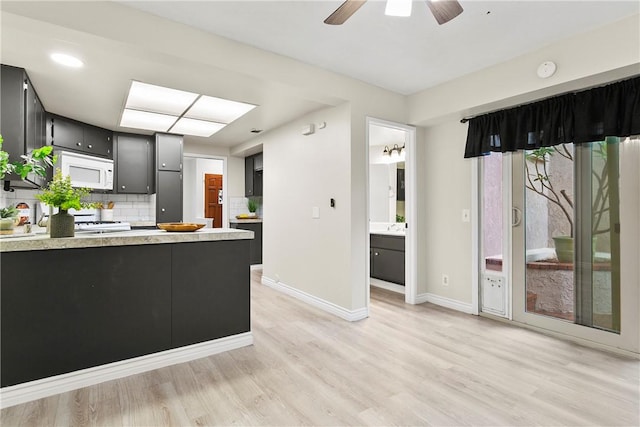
248	176
255	247
210	293
253	175
70	134
388	258
168	152
21	121
169	196
101	305
133	155
98	141
400	185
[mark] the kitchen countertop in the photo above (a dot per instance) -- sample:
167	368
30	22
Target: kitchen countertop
388	232
34	242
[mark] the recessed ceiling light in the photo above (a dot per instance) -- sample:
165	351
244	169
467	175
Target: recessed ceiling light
195	127
159	99
218	109
144	120
67	60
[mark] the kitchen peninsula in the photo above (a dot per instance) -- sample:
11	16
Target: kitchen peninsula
96	300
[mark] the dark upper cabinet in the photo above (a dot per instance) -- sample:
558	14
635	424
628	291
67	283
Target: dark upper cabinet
248	176
21	120
168	196
70	134
168	152
134	163
253	175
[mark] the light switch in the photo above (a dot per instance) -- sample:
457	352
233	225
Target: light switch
466	215
315	212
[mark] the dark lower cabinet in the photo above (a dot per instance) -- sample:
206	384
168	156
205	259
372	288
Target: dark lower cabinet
255	247
387	258
82	308
210	295
87	307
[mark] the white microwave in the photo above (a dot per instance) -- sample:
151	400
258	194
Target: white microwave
86	171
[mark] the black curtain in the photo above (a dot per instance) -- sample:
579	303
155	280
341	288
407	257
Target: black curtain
587	116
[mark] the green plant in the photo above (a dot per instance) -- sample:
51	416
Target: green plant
9	212
37	162
252	204
60	194
399	218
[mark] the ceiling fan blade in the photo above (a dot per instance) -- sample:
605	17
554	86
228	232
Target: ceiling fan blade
444	10
344	12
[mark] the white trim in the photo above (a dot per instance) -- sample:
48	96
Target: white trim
393	287
453	304
475	237
350	315
255	267
32	390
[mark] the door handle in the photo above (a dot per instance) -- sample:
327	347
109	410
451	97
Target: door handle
517	217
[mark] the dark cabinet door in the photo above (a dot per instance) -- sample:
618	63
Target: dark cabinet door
12	111
134	164
248	176
98	141
169	152
121	308
66	133
255	247
257	162
31	117
210	291
169	196
388	265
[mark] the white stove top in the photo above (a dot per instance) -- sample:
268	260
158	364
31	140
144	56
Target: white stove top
103	227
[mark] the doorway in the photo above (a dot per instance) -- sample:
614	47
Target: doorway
391	201
196	167
213	198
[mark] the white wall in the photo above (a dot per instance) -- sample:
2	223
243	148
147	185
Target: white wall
302	172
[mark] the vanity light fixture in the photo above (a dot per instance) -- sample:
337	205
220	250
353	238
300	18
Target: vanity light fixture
163	109
66	60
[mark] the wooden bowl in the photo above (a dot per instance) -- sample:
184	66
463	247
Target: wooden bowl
179	226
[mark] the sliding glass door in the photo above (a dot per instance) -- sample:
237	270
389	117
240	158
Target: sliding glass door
564	251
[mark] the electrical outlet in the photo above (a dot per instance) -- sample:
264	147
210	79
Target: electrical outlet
445	280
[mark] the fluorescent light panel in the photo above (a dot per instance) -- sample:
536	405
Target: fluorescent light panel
145	120
195	127
157	108
218	109
158	99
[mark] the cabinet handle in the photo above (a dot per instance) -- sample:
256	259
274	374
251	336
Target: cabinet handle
123	187
79	144
164	164
162	209
376	253
90	146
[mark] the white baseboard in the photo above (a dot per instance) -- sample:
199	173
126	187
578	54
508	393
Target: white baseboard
32	390
445	302
393	287
350	315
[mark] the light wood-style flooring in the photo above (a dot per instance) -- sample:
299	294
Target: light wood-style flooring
405	365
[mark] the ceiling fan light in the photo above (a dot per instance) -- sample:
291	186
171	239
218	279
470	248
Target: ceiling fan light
398	8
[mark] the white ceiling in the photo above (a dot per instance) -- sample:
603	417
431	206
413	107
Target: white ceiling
404	55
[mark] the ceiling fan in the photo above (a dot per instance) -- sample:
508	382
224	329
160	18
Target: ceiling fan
443	10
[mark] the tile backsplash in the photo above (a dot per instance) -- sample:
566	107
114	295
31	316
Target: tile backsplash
238	205
127	207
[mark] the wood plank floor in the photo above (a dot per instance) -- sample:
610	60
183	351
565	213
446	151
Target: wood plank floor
405	365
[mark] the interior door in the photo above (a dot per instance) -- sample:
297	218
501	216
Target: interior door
213	198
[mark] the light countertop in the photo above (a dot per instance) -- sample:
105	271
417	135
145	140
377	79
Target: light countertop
245	220
34	242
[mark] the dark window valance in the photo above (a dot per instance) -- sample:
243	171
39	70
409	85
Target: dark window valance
586	116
